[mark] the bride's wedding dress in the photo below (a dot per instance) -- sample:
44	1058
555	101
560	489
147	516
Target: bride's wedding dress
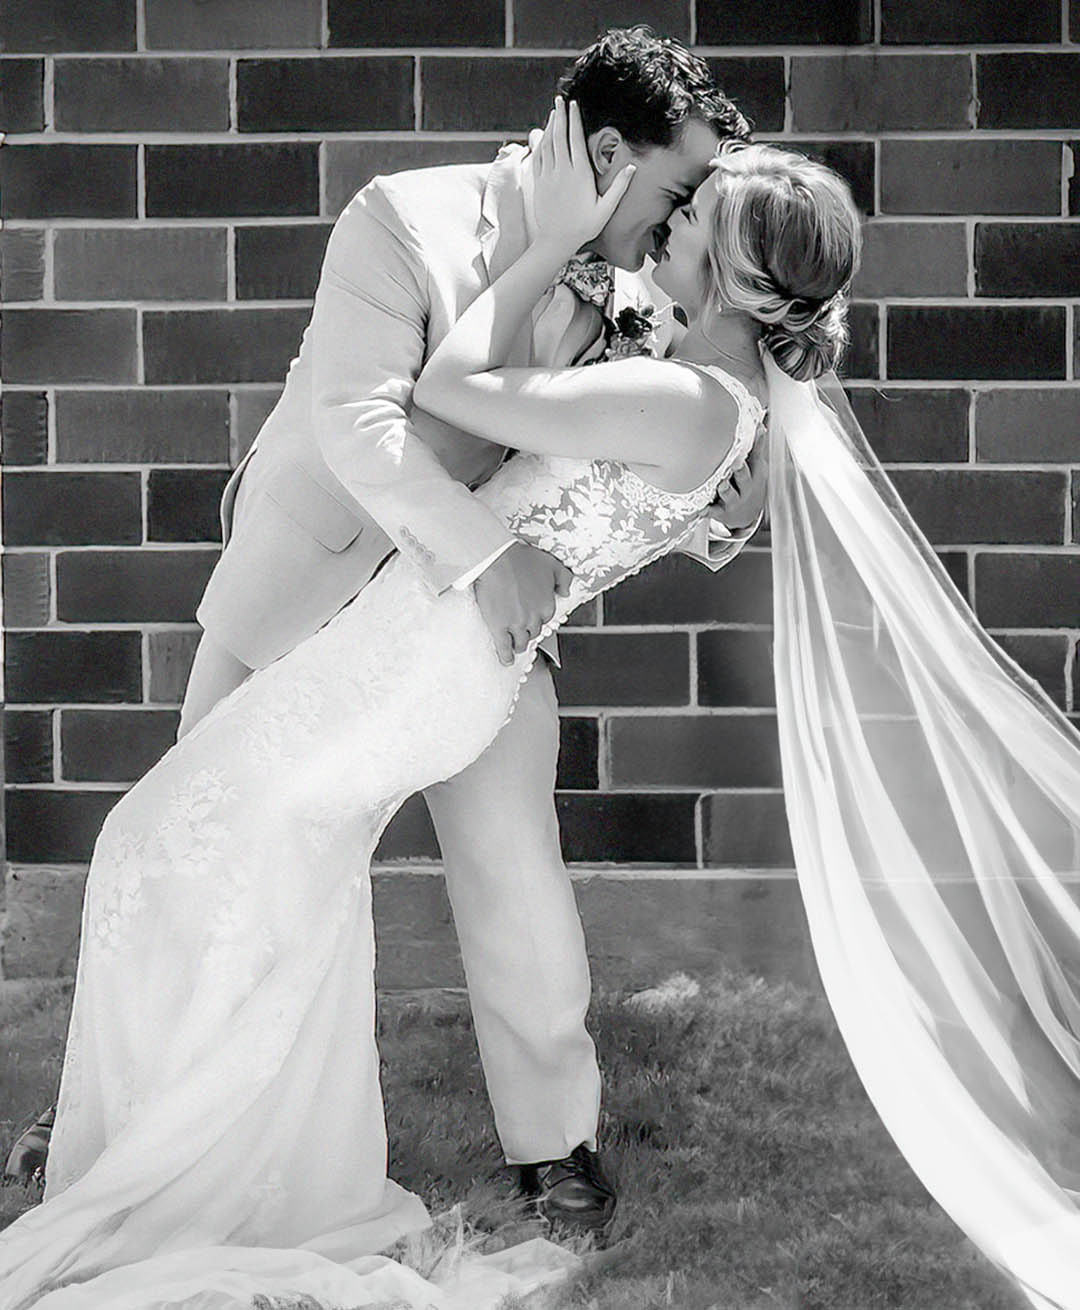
220	1127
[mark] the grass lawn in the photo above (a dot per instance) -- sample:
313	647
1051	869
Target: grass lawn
752	1170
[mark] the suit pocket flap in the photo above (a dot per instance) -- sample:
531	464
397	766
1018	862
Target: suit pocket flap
315	509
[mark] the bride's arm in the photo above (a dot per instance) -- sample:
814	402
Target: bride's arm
639	410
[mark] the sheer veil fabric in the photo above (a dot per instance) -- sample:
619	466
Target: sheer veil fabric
933	796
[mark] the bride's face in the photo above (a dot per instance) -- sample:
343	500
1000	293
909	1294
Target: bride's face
682	268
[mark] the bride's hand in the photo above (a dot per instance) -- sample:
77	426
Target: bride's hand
567	206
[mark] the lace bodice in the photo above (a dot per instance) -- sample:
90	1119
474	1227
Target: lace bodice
601	518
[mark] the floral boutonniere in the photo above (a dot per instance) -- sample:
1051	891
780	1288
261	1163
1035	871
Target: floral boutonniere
631	332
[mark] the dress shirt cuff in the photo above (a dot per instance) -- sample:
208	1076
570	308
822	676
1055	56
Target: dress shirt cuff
469	577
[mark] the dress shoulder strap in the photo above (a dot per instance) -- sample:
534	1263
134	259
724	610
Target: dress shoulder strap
743	396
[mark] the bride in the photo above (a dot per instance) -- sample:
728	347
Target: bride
227	934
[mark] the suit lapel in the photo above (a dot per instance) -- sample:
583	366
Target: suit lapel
502	232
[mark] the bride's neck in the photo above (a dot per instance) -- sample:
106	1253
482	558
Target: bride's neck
722	338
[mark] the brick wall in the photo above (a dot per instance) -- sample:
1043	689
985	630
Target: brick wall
171	171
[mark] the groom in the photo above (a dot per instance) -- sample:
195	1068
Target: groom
345	471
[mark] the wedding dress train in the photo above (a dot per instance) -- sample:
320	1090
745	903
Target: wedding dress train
220	1130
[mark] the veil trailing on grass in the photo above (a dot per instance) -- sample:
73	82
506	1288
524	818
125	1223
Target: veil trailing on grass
933	796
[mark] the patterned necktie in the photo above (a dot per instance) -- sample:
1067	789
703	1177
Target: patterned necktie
590	278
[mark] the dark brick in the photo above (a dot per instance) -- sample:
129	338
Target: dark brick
1029	90
68	181
1002	341
233	24
48	25
955	563
746	828
880	93
183	504
579	747
146	263
113	745
1029	425
409	835
912	259
1027	259
27	589
72	509
1042	655
209	181
85	667
587	614
221	345
324	94
968	22
603	668
68	345
1014	590
28	747
21	102
420	23
279	262
142	427
735	668
965	506
142	95
700	750
813	22
853	160
171	653
22	263
350	165
24	419
1074	177
132	586
55	826
862	355
970	177
917	426
252	410
484	94
677	590
756	85
627	828
1076	507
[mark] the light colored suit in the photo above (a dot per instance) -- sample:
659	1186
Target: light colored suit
345	470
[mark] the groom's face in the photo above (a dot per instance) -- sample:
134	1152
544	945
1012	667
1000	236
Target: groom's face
666	177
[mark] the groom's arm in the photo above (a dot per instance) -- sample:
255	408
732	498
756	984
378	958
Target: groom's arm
368	334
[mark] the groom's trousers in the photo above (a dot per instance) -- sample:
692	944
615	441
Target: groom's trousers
521	938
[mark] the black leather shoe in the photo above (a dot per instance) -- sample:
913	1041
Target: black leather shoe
26	1159
574	1191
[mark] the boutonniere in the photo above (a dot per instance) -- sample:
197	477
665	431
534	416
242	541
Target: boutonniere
631	332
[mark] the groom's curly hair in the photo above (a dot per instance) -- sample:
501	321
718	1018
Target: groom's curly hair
648	87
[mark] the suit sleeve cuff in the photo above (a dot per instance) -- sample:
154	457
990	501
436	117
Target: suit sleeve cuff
470	576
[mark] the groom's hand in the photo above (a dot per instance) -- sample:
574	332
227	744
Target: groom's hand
740	501
516	596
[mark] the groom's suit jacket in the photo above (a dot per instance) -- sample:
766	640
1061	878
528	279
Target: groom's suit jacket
346	469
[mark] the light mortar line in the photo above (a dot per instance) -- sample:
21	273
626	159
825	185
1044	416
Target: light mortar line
699	831
693	637
50	425
140	364
140	180
144	497
969	254
418	96
324	24
140	24
48	95
972	450
973	103
603	752
230	262
49	287
321	165
883	342
1070	341
758	52
1064	22
233	110
57	745
508	28
219	137
144	654
877	22
693	22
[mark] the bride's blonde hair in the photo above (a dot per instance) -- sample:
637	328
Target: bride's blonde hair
785	244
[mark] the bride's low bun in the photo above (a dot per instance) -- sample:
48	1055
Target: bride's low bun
785	245
806	347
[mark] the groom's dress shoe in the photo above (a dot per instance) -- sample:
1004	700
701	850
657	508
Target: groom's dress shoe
26	1159
575	1190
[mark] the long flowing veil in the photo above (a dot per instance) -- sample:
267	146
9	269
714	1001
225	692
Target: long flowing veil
933	797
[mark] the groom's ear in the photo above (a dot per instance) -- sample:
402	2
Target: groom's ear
604	151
